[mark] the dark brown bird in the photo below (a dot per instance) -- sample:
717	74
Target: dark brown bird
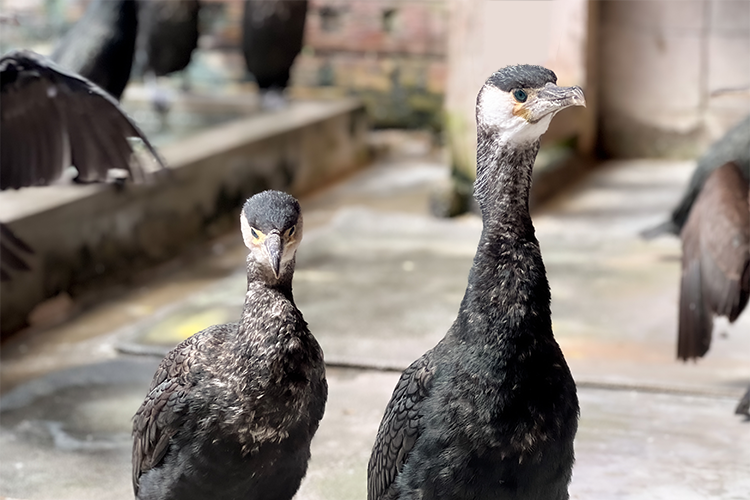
167	35
231	410
715	259
272	35
51	119
491	411
101	45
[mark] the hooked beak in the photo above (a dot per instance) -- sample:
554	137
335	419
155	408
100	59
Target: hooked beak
551	99
274	247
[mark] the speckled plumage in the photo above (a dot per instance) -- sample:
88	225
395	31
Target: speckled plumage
231	410
491	411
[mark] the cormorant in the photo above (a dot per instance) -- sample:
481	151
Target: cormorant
51	119
231	410
101	46
272	33
733	146
491	411
715	260
167	35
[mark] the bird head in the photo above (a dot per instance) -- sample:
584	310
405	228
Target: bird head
271	224
517	103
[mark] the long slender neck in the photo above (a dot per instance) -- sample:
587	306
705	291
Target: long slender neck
508	293
263	293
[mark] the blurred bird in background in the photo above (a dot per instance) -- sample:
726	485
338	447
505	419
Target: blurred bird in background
272	33
715	261
733	146
101	45
167	37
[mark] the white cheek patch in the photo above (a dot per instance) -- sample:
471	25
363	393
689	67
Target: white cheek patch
495	112
247	236
495	108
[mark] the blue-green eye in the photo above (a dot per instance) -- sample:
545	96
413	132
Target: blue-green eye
254	233
520	95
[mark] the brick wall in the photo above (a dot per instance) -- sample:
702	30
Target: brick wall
390	53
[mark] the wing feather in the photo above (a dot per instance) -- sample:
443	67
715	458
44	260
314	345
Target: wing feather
45	105
399	428
163	411
715	259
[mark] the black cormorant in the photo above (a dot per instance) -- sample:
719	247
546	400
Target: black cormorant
232	410
733	146
715	260
272	33
167	35
491	411
101	45
51	119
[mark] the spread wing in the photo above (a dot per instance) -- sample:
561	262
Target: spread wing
163	410
715	259
399	428
52	118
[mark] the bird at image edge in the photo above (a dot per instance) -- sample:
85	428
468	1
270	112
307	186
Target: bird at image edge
715	262
491	411
231	411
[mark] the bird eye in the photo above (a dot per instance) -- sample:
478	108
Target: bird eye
254	233
291	230
520	95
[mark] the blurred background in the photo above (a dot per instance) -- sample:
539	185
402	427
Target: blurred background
374	132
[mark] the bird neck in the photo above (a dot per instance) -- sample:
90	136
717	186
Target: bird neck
259	275
508	293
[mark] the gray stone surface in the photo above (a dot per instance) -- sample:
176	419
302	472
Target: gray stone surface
379	281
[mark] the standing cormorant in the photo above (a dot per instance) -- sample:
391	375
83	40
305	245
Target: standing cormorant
167	35
101	45
733	146
231	410
272	33
491	411
715	261
51	119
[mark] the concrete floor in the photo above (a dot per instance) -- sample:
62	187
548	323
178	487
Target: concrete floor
379	282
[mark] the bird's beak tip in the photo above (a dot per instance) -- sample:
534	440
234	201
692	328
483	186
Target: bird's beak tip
275	247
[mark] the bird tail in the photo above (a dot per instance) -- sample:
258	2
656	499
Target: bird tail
666	227
12	249
743	407
696	320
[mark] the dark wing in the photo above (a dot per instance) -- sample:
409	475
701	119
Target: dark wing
743	407
163	409
51	118
733	146
715	259
399	428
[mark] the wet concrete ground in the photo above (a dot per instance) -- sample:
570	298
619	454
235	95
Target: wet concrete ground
379	282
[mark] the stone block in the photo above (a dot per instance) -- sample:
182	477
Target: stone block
729	59
650	77
730	18
681	18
